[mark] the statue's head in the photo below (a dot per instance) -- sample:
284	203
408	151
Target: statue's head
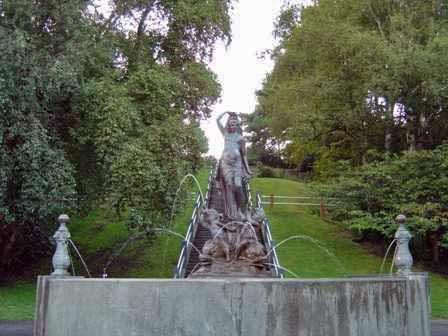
233	123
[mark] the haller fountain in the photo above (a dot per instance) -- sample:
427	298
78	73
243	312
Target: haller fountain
228	280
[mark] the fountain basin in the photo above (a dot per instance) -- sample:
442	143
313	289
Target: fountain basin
364	306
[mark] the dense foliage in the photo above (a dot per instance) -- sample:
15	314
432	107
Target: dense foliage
264	148
415	184
356	75
359	91
99	105
38	76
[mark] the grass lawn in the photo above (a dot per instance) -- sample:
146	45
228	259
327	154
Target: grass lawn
98	236
17	302
101	233
310	261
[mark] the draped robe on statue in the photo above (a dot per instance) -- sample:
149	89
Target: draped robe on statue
232	174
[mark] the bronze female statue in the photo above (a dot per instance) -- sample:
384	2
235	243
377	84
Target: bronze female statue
233	168
234	247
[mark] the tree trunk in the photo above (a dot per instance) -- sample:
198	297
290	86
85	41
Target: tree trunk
424	135
135	58
410	132
6	255
364	143
434	238
389	120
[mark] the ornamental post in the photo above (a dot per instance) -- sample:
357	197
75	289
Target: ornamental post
61	258
403	260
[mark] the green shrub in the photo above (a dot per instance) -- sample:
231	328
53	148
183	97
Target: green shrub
264	171
415	184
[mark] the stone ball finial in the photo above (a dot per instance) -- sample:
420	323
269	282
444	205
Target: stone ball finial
401	219
63	219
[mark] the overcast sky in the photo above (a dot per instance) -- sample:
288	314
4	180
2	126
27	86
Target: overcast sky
239	68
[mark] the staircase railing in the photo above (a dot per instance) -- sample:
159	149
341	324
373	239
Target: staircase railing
187	244
269	242
211	181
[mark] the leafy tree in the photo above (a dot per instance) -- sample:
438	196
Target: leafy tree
133	129
99	107
264	147
355	75
355	83
147	109
39	62
414	184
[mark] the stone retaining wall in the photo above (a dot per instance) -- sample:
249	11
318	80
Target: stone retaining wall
370	306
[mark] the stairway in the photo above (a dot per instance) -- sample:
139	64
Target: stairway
202	234
216	202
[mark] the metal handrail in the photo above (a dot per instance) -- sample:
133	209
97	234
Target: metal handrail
186	244
267	237
185	252
211	180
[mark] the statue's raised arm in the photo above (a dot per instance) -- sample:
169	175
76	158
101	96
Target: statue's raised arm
220	125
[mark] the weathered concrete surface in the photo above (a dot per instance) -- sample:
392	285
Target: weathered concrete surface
340	307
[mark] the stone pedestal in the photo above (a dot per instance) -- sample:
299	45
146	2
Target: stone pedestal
370	306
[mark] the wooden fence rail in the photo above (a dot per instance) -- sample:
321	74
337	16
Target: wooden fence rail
321	202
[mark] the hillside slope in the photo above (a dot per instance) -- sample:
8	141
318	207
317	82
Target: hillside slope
100	234
307	260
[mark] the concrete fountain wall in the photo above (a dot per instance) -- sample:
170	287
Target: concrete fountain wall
371	306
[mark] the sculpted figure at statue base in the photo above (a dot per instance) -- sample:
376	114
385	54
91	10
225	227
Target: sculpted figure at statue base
232	243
